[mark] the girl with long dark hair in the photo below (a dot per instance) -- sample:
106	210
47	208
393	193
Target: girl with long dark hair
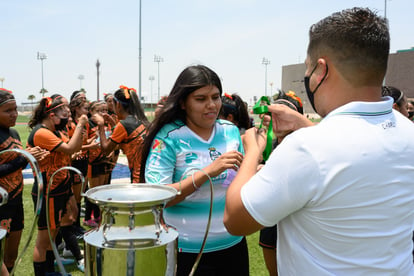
186	144
129	132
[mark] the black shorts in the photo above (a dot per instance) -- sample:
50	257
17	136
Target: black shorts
12	215
109	167
268	237
57	208
97	169
82	165
230	261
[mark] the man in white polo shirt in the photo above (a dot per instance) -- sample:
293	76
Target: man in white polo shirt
341	192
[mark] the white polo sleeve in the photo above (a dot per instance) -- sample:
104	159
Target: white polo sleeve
289	181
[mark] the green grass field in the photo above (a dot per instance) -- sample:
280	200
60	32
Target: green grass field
257	266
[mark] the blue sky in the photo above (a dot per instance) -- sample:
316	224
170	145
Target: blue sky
229	36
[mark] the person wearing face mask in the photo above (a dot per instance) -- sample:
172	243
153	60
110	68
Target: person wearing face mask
342	191
49	118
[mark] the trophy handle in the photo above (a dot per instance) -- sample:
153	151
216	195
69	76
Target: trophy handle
4	196
191	173
55	251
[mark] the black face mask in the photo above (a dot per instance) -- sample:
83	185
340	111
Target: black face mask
309	92
62	124
410	114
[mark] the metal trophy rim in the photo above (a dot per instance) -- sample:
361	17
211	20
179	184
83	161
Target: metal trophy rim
107	195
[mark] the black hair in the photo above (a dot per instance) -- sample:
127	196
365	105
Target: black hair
128	98
45	107
289	99
106	96
234	105
5	95
190	79
75	103
393	92
357	41
76	93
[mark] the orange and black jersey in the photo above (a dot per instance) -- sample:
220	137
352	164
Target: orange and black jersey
49	140
129	134
85	133
96	155
11	163
114	116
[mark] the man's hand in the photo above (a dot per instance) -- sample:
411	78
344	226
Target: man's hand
287	120
254	141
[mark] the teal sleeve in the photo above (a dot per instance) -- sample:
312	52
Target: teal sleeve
160	162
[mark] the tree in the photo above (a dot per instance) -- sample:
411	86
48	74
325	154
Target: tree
31	98
43	91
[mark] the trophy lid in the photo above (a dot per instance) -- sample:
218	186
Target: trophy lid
131	195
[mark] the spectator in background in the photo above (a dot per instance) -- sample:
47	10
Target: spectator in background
78	94
234	110
400	100
410	108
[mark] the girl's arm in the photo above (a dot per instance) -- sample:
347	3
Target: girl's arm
75	143
18	163
107	145
228	160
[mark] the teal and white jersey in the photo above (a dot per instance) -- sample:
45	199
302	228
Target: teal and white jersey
177	151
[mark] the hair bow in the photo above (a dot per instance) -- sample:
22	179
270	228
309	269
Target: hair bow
228	96
127	91
9	91
48	101
292	94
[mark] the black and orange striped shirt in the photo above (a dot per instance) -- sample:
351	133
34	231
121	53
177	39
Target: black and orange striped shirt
12	180
130	134
49	140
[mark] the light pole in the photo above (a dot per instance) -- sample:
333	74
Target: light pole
97	79
151	78
2	80
271	88
81	78
158	59
265	62
42	57
385	9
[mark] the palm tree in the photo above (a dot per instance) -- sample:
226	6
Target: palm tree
31	98
43	91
